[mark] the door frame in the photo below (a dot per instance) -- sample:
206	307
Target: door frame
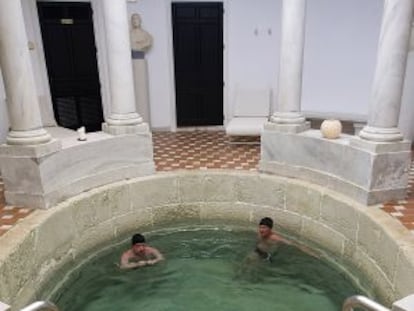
173	110
30	6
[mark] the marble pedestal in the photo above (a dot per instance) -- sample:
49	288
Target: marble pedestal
40	177
368	172
141	88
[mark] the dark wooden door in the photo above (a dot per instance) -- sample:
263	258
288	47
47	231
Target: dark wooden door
69	44
198	56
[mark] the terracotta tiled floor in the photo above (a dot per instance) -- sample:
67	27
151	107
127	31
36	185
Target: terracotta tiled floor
9	215
203	150
403	210
210	150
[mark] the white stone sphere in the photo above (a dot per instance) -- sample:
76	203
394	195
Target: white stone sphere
331	129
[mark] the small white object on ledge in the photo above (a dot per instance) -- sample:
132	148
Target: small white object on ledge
331	129
81	133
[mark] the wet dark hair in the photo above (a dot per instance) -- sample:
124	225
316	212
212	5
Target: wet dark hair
137	238
267	221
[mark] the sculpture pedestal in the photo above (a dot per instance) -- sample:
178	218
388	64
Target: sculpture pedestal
141	85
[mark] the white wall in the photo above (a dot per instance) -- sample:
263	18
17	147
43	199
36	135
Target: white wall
156	20
340	54
253	45
251	38
4	121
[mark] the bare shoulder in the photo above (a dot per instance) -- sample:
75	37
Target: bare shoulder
277	238
153	251
127	253
126	256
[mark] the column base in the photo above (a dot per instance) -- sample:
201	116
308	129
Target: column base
41	150
293	118
131	118
381	134
287	128
125	129
380	147
31	137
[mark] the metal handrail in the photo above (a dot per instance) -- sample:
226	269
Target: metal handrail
362	302
41	305
349	304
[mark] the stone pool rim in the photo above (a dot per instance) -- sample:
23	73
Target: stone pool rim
367	238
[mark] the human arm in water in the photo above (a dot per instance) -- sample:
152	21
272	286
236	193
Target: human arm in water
277	238
154	253
126	262
131	261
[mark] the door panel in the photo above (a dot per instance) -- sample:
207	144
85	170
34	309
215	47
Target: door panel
198	57
70	51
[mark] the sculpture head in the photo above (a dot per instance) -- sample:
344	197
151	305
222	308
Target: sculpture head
136	20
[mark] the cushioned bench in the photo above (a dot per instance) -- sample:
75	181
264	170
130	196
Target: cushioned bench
251	111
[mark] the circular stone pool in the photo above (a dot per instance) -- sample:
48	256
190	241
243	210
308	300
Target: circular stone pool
206	268
368	241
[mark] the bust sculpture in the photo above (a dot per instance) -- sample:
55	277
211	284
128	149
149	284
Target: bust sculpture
141	40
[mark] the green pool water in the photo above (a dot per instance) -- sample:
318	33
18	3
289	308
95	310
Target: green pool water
206	269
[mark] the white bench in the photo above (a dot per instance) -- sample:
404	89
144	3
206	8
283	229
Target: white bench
251	111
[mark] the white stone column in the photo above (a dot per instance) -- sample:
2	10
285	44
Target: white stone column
22	100
124	117
390	72
291	63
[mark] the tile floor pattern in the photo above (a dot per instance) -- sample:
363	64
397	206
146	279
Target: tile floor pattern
210	150
204	150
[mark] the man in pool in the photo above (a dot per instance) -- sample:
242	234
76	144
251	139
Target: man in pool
267	239
140	254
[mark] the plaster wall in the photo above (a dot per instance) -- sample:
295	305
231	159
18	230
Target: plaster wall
340	53
339	63
368	241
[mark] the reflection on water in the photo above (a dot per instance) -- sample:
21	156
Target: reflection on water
207	270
